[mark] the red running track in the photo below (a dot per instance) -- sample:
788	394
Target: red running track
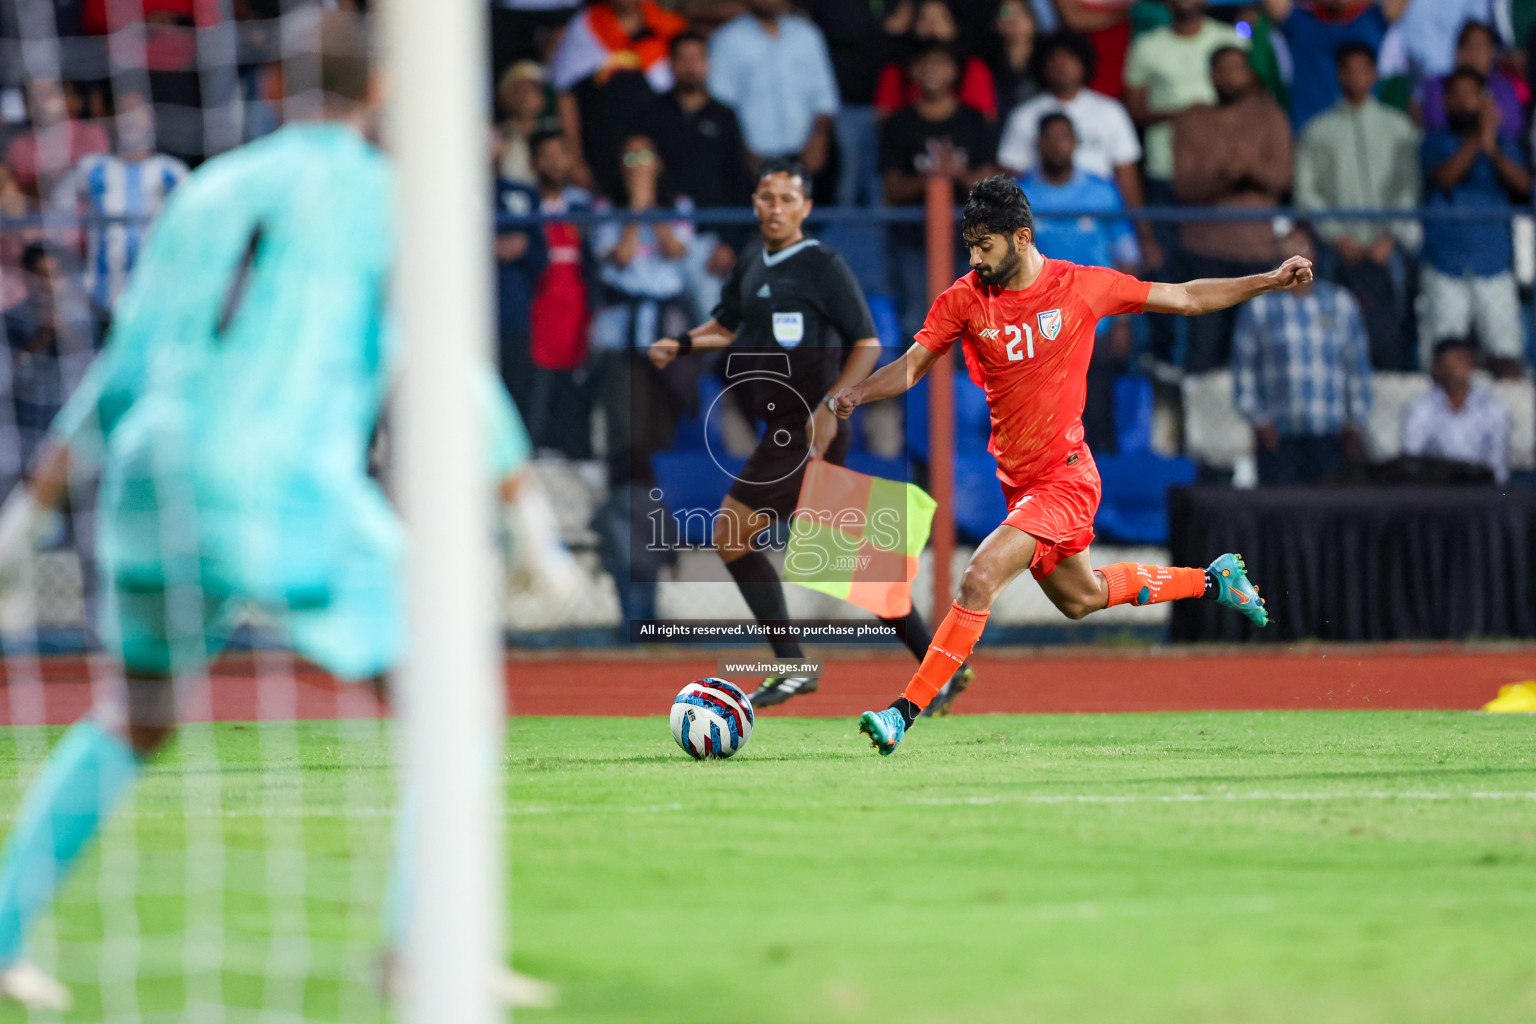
1440	676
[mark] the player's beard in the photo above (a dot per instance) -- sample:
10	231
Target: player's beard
1005	269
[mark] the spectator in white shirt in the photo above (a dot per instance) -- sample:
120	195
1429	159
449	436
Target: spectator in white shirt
1106	138
1427	30
1459	418
773	69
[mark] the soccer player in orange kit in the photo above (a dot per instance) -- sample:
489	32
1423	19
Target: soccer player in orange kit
1027	324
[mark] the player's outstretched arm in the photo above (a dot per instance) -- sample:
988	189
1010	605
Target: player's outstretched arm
890	380
1211	294
706	336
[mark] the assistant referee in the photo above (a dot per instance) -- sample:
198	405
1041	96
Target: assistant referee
795	318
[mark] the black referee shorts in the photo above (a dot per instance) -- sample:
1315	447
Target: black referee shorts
770	480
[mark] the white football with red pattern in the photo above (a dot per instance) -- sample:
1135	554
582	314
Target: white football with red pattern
711	718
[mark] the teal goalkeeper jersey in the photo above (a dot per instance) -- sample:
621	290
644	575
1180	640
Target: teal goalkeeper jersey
249	356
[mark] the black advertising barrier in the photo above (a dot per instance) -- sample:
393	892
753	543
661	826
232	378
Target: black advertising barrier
1364	563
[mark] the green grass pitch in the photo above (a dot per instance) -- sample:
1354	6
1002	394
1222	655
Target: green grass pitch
1238	867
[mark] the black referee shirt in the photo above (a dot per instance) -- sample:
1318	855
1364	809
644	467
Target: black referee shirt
801	301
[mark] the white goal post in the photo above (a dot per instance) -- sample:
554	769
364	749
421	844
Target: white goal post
451	708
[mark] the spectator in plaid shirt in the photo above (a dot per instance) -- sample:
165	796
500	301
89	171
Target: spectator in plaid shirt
1303	378
1458	418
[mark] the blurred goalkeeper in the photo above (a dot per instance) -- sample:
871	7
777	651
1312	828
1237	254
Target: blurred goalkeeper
231	413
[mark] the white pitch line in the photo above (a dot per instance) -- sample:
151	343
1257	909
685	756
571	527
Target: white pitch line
1199	798
1094	910
1259	796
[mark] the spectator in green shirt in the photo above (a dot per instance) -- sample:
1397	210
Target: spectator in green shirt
1361	155
1169	71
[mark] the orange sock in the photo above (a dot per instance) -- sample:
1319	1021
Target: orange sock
952	644
1130	583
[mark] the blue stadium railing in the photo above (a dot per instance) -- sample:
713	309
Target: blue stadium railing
722	216
882	215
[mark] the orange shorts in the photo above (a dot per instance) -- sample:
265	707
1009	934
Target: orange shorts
1056	509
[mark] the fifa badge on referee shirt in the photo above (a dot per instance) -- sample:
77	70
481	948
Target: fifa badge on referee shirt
789	328
1050	324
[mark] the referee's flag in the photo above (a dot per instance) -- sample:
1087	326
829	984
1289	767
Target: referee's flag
857	537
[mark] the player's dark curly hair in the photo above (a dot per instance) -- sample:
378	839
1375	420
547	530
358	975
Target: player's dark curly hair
996	206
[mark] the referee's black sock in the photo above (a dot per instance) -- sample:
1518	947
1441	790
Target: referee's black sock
913	632
759	583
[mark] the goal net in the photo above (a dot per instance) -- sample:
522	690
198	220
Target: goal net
250	871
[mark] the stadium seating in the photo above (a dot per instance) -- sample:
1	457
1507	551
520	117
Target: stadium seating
691	485
1520	397
691	431
979	503
887	325
1134	509
1133	413
1216	435
973	425
1391	394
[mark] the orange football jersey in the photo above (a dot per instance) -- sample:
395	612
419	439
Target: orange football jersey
1029	351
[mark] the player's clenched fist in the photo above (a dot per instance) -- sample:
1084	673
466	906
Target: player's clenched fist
663	351
1295	271
844	403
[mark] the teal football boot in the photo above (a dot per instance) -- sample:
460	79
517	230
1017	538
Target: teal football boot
884	728
1234	590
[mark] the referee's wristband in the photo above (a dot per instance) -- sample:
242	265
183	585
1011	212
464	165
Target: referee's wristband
684	343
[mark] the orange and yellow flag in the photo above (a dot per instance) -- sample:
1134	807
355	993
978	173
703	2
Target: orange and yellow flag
858	537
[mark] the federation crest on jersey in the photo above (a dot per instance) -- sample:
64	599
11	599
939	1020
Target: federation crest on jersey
1050	324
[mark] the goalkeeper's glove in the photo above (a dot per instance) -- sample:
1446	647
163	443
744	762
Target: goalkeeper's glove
24	524
536	558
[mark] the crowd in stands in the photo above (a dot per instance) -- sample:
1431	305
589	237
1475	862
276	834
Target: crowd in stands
1096	105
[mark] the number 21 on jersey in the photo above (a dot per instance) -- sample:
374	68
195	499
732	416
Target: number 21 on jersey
1019	334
